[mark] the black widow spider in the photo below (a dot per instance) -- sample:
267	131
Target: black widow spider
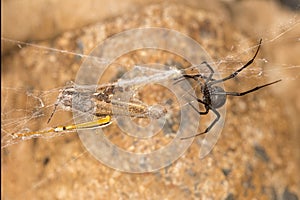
214	96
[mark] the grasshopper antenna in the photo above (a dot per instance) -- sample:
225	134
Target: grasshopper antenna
55	106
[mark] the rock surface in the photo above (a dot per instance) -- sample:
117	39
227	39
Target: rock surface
256	156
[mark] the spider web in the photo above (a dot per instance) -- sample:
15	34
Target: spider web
18	116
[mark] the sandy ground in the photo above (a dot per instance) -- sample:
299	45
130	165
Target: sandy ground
257	154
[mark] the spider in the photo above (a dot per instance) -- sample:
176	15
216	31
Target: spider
214	96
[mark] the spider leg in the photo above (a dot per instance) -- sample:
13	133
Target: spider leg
251	90
234	74
209	78
199	112
202	102
211	71
190	76
184	76
197	76
210	126
213	123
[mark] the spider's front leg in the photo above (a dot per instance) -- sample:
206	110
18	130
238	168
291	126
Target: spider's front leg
211	71
234	74
198	76
206	78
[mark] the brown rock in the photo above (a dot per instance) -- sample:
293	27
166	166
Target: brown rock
257	155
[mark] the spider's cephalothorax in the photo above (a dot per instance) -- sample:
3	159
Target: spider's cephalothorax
214	96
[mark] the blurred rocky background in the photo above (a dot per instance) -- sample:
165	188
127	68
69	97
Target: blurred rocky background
257	155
